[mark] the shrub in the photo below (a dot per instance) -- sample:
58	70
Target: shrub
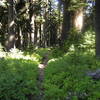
18	79
66	78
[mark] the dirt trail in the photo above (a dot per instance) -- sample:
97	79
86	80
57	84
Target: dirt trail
41	76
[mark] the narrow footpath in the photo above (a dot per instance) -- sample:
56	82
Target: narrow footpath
41	76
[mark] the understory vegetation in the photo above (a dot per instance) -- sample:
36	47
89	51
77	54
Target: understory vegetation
18	77
66	78
66	74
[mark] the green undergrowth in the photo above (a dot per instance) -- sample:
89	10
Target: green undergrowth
49	52
39	53
18	79
44	53
66	78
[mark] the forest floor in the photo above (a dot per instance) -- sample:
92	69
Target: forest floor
51	76
41	76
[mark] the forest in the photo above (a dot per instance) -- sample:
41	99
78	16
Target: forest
49	49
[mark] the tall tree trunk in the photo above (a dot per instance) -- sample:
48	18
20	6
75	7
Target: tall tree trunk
25	40
59	17
35	34
18	40
45	25
53	35
77	19
32	21
97	27
40	34
66	22
11	25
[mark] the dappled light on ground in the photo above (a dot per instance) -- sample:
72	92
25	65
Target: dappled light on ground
41	66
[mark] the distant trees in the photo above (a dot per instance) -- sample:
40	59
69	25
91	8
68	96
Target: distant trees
43	23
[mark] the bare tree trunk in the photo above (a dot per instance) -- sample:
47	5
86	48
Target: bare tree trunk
40	32
97	27
11	25
77	19
66	23
25	40
59	17
18	40
35	34
45	37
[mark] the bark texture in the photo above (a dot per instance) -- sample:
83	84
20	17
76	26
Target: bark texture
11	26
97	27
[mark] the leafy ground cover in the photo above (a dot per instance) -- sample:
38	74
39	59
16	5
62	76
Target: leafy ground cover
66	78
18	76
